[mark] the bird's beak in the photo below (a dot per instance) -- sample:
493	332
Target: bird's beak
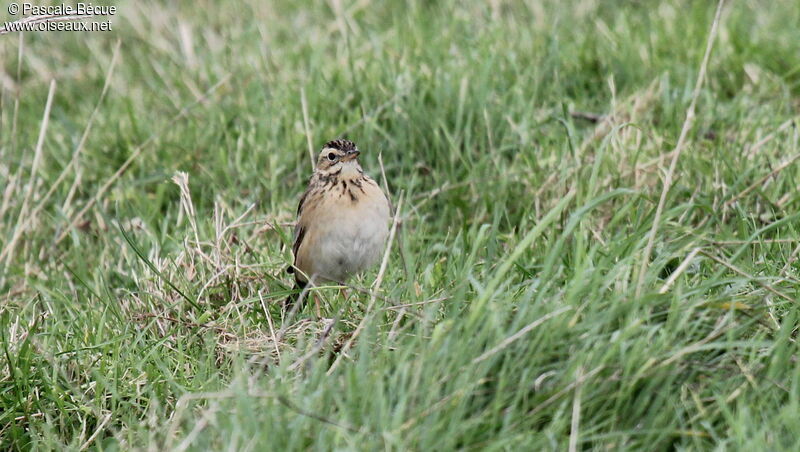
351	155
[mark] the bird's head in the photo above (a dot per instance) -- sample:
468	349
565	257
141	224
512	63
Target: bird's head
338	157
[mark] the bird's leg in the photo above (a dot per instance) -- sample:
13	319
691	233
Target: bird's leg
346	296
317	309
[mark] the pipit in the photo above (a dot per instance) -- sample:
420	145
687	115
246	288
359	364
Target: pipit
342	220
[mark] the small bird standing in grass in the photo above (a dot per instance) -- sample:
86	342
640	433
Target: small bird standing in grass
342	220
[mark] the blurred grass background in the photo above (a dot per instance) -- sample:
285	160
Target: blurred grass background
528	142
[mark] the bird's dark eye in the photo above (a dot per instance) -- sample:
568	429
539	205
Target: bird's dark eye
331	156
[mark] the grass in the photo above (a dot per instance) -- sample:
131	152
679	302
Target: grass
529	143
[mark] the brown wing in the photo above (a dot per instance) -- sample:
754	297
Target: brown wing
299	230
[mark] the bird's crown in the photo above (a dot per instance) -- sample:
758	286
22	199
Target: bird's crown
340	144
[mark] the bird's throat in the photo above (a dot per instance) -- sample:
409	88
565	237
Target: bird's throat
350	170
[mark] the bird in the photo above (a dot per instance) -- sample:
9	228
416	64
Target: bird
342	221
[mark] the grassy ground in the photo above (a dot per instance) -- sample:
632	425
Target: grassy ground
527	148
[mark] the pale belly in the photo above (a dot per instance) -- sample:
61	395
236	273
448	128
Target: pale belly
350	244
